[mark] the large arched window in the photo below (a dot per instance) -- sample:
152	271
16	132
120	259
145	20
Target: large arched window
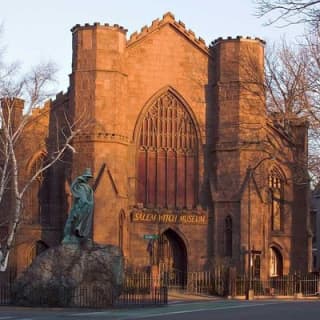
276	190
228	236
167	156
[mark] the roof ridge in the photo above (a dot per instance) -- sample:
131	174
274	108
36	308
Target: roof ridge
167	18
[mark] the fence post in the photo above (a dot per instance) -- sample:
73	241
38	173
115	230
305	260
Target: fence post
298	295
231	282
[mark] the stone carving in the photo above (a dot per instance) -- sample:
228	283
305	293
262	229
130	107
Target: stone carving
79	222
72	275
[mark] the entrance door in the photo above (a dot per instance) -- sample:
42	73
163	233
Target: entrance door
172	256
276	262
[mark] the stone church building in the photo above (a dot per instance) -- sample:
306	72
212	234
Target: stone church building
191	170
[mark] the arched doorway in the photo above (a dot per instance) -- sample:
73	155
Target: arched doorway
276	262
172	257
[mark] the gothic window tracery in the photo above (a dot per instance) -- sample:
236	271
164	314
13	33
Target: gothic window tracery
276	189
167	156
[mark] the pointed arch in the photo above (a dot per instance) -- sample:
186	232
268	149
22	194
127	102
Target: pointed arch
33	196
183	238
276	261
172	252
35	160
167	142
278	172
153	99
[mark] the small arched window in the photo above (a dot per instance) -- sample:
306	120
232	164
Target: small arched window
33	208
121	229
228	236
276	191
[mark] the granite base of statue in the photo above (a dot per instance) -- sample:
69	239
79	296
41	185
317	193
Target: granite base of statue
73	275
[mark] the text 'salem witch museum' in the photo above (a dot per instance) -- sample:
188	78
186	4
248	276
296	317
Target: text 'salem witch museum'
186	153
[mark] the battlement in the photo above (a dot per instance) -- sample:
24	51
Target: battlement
96	25
38	111
168	18
61	95
237	38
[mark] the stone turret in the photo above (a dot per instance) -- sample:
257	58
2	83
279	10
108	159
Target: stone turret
97	71
239	99
238	81
239	114
99	93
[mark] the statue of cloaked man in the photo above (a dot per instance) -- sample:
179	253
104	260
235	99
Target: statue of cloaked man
79	222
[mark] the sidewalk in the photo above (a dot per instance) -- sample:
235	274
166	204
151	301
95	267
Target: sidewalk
176	296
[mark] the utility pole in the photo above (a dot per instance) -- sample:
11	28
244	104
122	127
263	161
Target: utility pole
250	292
249	176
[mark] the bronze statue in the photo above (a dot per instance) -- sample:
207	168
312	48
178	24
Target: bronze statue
79	222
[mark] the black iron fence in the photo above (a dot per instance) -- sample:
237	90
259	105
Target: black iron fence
138	289
291	285
142	289
202	282
228	284
5	294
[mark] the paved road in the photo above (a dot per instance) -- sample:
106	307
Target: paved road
201	310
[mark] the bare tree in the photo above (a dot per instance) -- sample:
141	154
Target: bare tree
287	81
293	90
33	88
286	12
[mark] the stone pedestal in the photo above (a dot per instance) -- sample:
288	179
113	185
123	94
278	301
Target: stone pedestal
87	275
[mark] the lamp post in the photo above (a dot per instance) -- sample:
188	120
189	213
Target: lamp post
249	176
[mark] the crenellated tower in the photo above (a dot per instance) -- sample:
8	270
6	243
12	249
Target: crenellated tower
98	99
239	115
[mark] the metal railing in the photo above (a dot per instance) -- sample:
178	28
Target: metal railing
188	282
137	289
291	285
5	294
140	288
200	282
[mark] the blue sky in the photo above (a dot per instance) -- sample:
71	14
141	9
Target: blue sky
39	30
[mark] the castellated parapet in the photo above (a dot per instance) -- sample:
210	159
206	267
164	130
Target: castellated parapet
97	47
97	63
238	79
244	54
168	18
237	38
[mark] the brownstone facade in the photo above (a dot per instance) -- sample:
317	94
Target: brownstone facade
191	156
